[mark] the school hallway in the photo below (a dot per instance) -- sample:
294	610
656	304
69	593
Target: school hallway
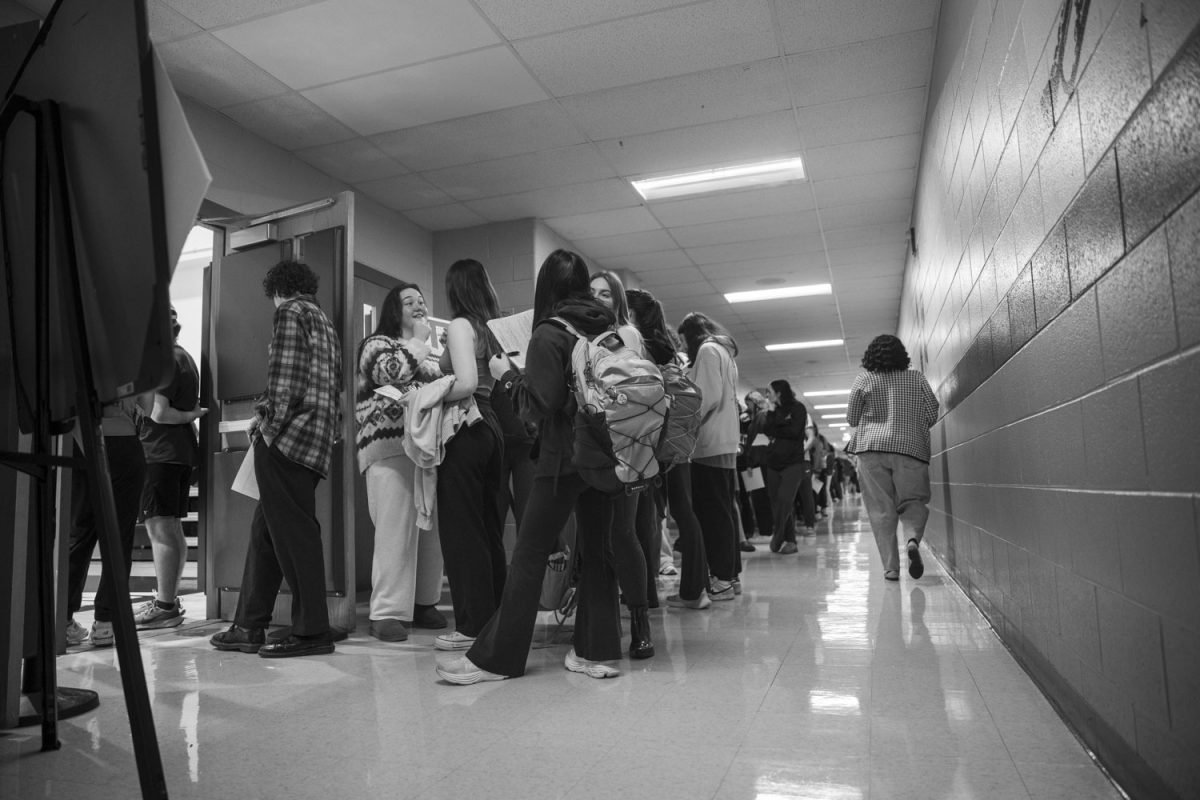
821	681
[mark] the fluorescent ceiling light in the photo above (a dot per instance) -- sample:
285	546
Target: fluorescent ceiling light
779	293
764	173
804	346
827	393
839	425
833	416
831	405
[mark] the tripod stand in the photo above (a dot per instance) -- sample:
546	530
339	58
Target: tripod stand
55	256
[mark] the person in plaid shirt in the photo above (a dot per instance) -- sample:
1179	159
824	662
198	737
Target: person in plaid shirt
293	432
891	409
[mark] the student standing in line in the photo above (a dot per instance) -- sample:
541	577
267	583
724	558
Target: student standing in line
661	346
631	556
468	480
784	426
542	396
711	367
295	424
891	409
406	567
172	452
756	454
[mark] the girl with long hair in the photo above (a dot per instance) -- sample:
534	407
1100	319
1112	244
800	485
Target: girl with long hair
891	409
468	479
710	352
542	396
406	568
786	474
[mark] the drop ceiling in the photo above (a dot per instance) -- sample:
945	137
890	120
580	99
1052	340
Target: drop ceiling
457	113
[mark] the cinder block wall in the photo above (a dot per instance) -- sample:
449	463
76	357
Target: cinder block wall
1054	302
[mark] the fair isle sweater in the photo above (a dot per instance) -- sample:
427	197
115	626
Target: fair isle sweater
383	360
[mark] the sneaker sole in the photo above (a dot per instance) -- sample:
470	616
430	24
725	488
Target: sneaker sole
717	597
597	671
159	623
241	648
322	650
692	605
102	642
916	567
452	646
471	677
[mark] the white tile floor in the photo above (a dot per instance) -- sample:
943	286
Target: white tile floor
821	681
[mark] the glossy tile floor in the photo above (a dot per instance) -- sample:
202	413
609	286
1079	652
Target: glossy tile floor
821	681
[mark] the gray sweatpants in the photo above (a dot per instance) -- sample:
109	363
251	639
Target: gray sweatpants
896	491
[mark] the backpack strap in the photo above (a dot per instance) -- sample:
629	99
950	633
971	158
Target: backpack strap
568	327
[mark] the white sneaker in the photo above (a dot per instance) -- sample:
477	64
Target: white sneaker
102	634
453	641
593	669
668	568
76	633
700	603
151	615
463	672
720	590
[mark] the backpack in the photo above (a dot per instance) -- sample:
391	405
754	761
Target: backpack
621	408
682	427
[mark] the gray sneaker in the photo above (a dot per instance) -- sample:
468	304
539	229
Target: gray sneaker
76	633
151	615
102	634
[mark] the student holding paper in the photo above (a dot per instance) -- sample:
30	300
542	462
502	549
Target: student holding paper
406	569
785	465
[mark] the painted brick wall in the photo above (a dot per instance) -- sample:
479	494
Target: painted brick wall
1054	303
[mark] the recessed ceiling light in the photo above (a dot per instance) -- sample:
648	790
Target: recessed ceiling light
804	345
827	393
763	173
780	293
831	405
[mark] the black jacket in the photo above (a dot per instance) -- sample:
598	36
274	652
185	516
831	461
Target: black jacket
542	395
785	426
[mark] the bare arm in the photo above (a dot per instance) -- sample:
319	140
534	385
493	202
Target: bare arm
164	414
461	343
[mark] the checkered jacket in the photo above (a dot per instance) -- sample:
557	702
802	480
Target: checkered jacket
300	410
891	412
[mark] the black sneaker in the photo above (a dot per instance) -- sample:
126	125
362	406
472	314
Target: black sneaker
916	567
247	640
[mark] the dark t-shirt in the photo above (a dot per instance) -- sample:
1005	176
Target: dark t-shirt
175	444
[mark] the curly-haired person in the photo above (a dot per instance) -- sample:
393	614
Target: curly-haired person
891	409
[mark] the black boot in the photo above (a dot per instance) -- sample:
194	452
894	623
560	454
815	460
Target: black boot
640	645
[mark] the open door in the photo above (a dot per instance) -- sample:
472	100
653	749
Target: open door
235	357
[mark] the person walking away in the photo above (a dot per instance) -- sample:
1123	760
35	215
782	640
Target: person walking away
172	452
891	410
292	434
406	566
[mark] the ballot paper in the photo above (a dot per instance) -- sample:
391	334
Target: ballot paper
245	481
760	441
513	334
390	392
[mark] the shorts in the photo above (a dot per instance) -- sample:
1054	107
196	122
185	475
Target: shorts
165	493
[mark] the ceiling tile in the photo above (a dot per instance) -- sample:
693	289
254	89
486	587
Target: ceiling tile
559	167
457	86
578	198
669	277
405	192
750	251
875	212
642	263
209	71
442	218
733	205
630	244
744	90
352	161
820	24
895	234
683	291
862	158
858	189
166	23
877	117
602	223
481	137
861	70
659	45
787	274
711	145
745	230
888	256
344	39
518	19
214	13
289	121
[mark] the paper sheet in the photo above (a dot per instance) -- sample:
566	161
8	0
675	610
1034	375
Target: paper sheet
816	483
752	479
245	481
514	333
760	441
390	392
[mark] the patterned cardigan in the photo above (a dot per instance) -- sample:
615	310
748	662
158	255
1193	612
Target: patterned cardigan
383	360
